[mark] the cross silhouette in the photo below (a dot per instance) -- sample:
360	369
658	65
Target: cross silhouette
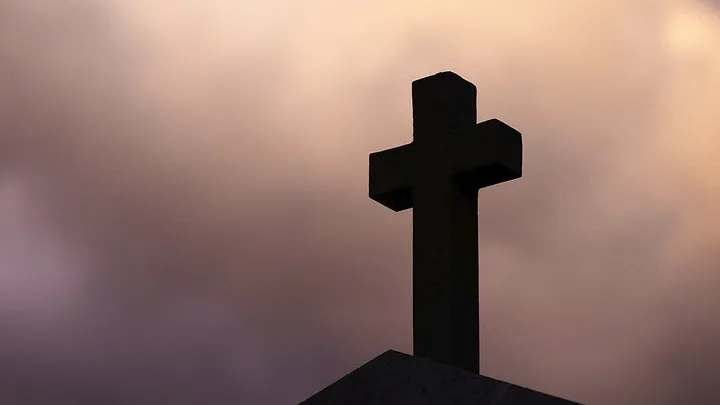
439	174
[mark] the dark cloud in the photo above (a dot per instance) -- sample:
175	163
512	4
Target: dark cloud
184	214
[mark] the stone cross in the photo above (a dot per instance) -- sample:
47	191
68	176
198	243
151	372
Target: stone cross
439	174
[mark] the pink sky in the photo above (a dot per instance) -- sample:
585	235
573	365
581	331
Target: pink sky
183	195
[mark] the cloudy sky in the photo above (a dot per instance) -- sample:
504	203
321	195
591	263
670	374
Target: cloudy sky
183	195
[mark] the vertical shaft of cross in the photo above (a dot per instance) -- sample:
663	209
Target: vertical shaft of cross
445	229
445	275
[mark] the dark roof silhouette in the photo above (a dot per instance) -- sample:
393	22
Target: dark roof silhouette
395	378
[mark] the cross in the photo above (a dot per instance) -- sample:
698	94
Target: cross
439	174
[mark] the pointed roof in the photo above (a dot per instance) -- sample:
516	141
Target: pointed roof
395	378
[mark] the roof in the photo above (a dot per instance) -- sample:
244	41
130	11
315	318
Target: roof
395	378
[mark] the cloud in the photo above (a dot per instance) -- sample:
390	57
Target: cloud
184	195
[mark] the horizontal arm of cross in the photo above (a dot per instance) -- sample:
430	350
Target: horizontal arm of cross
486	154
391	177
479	156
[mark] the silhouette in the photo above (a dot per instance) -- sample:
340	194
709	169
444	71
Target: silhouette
394	378
438	175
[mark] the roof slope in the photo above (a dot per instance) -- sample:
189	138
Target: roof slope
395	378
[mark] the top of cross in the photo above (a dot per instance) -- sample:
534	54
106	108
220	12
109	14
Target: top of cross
441	103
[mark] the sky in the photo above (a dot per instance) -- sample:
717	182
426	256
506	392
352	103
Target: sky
183	195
